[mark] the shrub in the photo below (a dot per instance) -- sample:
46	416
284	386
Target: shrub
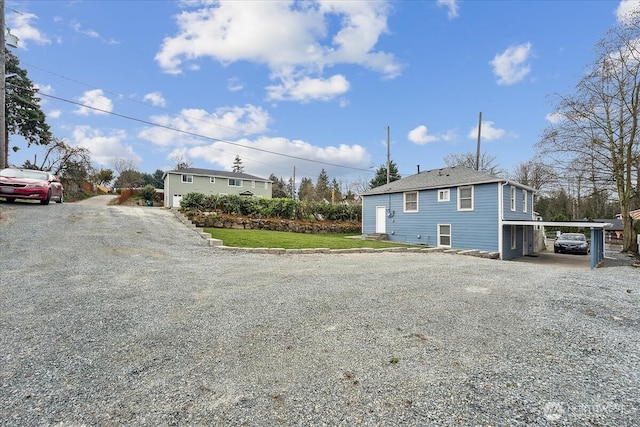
148	192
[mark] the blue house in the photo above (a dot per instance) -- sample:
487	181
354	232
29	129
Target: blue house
457	208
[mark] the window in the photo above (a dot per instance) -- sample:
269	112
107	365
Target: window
235	182
253	184
465	198
524	200
266	185
443	195
444	235
513	198
212	179
411	201
187	179
513	237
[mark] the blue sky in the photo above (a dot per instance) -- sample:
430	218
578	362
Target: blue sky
309	85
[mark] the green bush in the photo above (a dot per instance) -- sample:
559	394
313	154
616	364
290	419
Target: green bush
283	208
148	192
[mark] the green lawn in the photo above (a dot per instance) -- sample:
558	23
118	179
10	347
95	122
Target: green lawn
282	239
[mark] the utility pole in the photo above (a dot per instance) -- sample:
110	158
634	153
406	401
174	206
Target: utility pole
3	91
388	154
478	148
293	184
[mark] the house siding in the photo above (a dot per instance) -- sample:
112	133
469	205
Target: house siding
474	229
202	184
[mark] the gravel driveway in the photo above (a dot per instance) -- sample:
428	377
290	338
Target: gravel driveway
114	316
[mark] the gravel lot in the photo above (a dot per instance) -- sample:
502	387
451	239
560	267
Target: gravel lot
116	316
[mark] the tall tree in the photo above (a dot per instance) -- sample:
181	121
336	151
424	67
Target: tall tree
323	192
380	177
599	122
23	114
534	174
278	187
468	160
306	191
237	165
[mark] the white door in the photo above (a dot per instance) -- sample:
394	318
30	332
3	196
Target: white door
381	219
176	200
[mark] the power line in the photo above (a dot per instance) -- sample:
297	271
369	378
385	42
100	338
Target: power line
135	119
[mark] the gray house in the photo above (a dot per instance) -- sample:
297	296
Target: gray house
178	183
457	208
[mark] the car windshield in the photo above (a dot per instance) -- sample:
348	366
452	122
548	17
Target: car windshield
579	237
22	174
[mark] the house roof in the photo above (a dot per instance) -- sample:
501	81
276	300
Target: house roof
635	214
616	223
440	178
214	173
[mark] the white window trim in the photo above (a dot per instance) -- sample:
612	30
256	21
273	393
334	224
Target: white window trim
513	197
446	193
525	195
404	201
440	235
514	236
253	184
184	181
472	197
212	179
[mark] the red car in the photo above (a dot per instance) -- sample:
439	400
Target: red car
30	184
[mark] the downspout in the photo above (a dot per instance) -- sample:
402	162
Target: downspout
501	215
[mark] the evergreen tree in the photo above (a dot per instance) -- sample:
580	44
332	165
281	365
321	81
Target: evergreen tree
278	187
306	192
323	191
237	165
381	175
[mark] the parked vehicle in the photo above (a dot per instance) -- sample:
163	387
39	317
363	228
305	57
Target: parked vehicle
575	243
30	185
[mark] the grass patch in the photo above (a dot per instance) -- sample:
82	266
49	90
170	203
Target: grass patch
282	239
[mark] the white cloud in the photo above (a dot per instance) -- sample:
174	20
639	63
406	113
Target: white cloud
94	102
54	114
21	26
626	10
220	155
488	132
511	65
156	99
452	6
554	118
104	148
223	123
307	89
91	34
234	84
296	40
420	136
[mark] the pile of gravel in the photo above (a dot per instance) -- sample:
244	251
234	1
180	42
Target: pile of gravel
124	316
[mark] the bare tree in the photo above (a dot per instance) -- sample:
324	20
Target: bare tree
181	161
534	174
599	122
487	162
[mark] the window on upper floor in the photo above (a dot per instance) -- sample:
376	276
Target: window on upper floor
253	184
266	185
411	201
444	195
513	198
235	182
187	179
212	179
524	200
465	198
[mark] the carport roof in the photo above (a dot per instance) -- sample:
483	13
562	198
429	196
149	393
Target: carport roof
582	224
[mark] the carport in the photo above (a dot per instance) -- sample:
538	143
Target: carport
597	234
